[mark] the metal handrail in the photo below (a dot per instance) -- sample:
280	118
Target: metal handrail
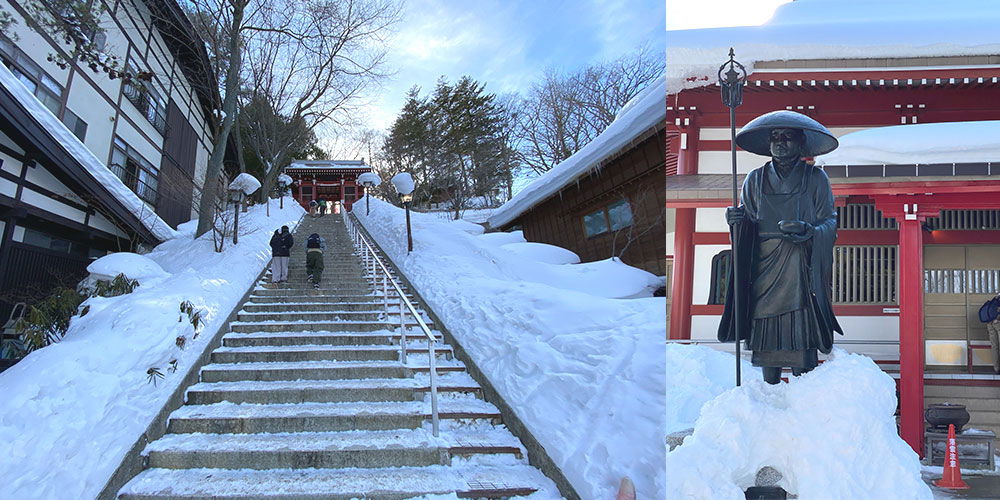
372	258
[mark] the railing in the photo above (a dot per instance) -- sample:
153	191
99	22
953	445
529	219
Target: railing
374	263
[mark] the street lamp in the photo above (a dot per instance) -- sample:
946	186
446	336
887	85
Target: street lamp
283	182
403	183
243	185
732	77
369	180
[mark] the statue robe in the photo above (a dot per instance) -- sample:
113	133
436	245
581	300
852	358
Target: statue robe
784	286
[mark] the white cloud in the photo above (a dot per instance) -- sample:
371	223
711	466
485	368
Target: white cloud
683	15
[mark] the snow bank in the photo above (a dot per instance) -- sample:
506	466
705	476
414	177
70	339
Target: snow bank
134	266
584	373
947	142
542	252
646	110
503	238
72	410
96	168
246	183
831	433
697	375
837	29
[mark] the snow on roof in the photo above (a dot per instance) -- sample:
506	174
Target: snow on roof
327	164
837	29
645	111
948	142
86	158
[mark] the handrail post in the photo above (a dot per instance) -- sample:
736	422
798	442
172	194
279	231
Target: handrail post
402	334
434	401
385	294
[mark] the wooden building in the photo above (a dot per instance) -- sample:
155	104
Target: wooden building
90	165
328	180
607	199
918	240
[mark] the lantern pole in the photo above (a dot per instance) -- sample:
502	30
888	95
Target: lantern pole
732	78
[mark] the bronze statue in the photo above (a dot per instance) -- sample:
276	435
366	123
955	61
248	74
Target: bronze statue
783	231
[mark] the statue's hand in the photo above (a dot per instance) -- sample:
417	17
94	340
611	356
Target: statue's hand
796	231
735	215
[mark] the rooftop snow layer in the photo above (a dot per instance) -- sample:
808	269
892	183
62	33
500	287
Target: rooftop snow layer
645	111
837	29
86	158
948	142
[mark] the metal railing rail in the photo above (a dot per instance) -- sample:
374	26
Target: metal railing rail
374	264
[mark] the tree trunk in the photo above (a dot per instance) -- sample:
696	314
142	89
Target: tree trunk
211	188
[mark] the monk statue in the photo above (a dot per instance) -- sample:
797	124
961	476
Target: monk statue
783	233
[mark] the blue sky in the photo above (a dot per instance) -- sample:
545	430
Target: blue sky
508	44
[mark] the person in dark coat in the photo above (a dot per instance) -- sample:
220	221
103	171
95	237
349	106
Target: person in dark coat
281	249
784	230
315	246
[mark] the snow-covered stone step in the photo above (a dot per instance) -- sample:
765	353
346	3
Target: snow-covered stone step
384	448
328	391
323	417
378	337
315	297
317	326
395	483
254	354
287	290
291	314
317	370
318	307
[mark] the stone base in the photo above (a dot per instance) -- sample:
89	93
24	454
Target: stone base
975	448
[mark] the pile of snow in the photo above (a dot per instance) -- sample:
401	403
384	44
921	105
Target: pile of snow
831	433
542	252
134	266
837	29
286	179
83	402
584	372
647	110
697	375
246	183
947	142
403	182
75	148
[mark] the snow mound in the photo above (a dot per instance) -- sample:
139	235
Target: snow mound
831	424
697	375
946	142
246	183
501	238
468	227
132	265
403	182
609	278
542	252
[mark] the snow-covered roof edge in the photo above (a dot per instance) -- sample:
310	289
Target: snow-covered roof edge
100	172
922	143
647	110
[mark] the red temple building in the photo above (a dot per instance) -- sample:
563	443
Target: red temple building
918	248
328	180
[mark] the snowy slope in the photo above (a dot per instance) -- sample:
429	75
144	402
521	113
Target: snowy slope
837	29
645	111
947	142
73	409
94	167
583	371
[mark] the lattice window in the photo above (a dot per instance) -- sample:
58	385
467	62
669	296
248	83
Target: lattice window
981	281
865	274
966	220
863	216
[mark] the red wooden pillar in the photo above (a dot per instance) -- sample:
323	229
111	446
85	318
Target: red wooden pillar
911	329
682	287
687	162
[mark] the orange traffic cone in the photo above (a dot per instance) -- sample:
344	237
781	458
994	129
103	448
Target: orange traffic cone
952	477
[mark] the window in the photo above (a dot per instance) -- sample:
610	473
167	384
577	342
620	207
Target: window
45	88
44	240
137	173
613	217
864	274
146	99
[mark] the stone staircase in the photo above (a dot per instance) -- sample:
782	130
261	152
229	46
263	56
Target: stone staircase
307	399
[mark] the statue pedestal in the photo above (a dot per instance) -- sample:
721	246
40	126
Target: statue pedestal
975	448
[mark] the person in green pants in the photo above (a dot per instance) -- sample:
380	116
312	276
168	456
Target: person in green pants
315	246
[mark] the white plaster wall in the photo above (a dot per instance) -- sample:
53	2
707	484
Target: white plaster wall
703	271
93	108
10	165
133	138
48	204
7	188
720	162
7	141
98	221
705	328
45	179
711	220
34	45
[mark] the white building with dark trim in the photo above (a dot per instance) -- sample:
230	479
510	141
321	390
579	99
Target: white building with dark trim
90	164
